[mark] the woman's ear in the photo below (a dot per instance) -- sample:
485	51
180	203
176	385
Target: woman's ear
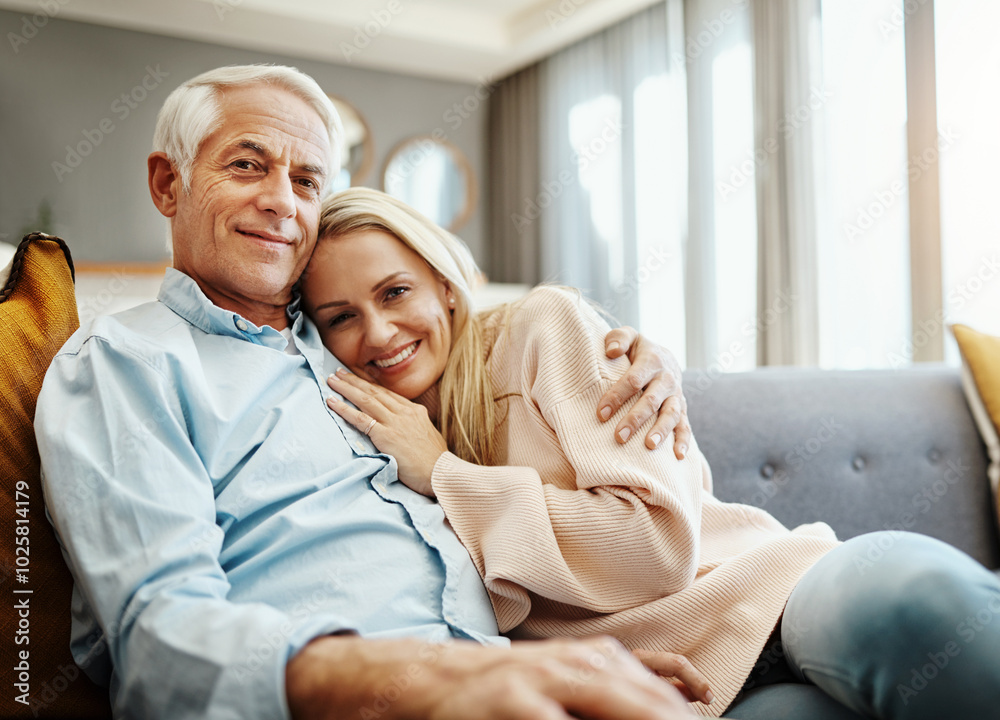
164	183
449	295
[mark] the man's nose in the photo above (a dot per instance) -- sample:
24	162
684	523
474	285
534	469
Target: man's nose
277	195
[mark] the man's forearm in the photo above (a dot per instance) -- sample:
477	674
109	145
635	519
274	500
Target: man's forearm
336	677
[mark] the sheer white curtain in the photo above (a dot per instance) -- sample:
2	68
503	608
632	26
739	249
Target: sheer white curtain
790	99
721	257
612	188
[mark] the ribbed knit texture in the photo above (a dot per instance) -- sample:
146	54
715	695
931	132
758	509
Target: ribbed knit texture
578	535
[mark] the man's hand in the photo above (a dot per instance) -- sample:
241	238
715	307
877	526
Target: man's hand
335	677
657	370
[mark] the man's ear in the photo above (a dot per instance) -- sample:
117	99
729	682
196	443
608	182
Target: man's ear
164	183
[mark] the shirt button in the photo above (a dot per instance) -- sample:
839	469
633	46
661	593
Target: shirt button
242	326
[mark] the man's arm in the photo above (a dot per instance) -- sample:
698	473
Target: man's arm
656	372
337	677
134	508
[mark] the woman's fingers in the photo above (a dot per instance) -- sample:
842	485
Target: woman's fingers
362	421
364	393
370	398
693	684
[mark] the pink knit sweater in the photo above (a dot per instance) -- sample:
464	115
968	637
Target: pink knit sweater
578	535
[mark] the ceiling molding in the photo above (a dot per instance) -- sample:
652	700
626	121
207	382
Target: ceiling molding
459	40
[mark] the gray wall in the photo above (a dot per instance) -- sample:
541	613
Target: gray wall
58	86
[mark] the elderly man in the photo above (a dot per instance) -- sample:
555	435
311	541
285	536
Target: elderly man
232	540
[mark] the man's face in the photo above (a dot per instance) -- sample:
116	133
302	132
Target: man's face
246	229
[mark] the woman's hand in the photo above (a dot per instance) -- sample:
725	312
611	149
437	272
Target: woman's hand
402	428
679	671
656	372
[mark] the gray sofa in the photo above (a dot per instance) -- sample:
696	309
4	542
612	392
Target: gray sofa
861	450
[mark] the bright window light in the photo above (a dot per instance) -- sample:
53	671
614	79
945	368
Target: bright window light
968	65
735	206
864	276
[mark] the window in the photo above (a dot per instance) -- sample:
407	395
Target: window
863	256
968	114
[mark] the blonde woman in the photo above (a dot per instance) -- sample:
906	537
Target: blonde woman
491	414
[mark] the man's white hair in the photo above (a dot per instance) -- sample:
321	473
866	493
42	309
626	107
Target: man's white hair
191	112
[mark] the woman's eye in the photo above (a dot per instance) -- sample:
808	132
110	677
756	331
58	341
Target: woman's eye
337	319
395	292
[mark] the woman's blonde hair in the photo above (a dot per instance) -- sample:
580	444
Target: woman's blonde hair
466	416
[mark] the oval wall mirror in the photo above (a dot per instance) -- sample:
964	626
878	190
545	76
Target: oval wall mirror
357	149
433	176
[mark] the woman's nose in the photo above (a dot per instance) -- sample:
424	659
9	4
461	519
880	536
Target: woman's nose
379	330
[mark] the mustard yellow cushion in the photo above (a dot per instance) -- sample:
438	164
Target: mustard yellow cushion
981	381
37	315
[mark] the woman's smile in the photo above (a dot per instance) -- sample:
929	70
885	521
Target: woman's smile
398	359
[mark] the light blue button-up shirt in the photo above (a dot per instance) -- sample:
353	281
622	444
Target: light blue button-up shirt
217	516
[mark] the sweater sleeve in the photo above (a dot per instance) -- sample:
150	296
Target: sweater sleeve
623	530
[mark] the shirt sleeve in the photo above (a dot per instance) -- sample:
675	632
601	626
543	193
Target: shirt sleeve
623	530
134	509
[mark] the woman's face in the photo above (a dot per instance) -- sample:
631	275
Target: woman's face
380	309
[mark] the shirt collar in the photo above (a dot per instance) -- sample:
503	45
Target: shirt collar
181	293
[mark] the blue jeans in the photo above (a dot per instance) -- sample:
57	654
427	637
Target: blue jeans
888	625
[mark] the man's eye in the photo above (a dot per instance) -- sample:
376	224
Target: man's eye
243	164
309	183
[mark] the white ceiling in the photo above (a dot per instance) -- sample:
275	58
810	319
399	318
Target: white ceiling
464	40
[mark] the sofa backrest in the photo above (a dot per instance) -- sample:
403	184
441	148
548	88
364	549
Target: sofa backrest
861	450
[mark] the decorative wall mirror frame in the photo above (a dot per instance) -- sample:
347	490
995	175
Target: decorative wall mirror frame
435	177
358	149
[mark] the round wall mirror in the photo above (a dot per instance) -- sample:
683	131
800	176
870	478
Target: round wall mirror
357	151
434	177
